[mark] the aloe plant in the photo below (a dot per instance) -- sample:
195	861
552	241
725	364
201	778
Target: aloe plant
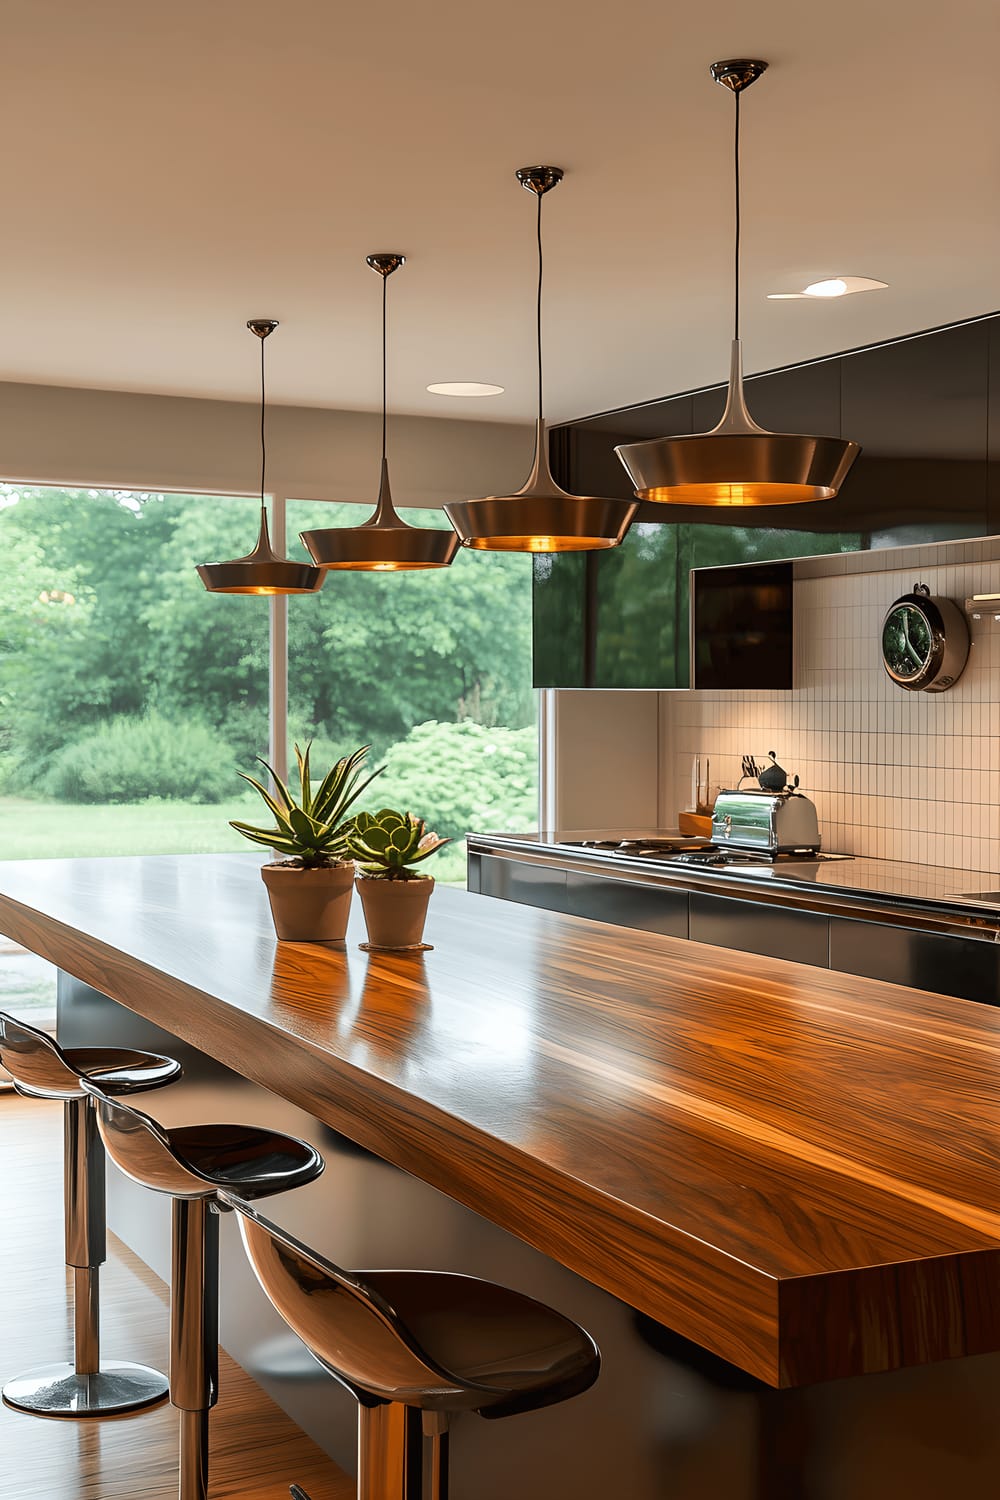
386	844
312	830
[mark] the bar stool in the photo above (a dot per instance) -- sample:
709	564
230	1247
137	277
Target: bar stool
191	1163
416	1348
41	1069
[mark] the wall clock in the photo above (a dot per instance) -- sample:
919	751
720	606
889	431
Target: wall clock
925	642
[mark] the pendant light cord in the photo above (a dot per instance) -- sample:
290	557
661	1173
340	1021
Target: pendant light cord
263	443
736	262
538	309
385	300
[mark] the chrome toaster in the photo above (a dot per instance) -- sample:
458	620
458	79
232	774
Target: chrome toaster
779	822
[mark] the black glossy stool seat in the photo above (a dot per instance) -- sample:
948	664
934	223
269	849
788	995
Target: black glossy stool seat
417	1348
41	1069
191	1164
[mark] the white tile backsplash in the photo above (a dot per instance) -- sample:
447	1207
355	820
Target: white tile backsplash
898	775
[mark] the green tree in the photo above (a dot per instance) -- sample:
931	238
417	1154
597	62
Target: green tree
376	653
102	618
106	643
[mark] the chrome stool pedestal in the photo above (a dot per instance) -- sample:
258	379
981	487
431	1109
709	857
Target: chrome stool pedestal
40	1068
190	1164
416	1349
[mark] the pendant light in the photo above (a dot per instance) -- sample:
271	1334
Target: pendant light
262	571
541	517
738	463
385	543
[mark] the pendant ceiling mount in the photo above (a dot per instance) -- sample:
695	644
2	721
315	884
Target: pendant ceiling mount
737	74
262	571
539	180
385	543
738	463
541	516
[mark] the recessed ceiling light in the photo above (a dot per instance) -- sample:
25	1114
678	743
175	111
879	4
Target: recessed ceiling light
831	286
835	286
464	388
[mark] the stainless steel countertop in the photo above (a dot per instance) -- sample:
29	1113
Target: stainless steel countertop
887	890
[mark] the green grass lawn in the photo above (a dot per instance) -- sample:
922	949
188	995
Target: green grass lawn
61	830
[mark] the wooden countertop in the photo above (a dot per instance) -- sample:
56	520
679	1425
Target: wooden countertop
800	1170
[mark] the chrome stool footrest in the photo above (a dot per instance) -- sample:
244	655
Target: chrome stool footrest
40	1068
60	1391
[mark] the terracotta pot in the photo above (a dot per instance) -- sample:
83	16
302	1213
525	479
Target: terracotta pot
310	906
395	910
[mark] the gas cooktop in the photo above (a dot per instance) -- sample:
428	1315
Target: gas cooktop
675	849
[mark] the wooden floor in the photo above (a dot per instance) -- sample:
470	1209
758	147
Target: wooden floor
256	1450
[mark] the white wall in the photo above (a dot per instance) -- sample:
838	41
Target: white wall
114	439
602	750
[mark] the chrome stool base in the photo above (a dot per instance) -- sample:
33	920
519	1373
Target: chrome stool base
58	1391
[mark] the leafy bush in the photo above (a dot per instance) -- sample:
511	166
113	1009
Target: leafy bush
460	777
132	759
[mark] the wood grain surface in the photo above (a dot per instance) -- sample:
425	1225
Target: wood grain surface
798	1169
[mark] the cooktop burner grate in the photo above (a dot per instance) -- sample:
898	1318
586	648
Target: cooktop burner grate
683	851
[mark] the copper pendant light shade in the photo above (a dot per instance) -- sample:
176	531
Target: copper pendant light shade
541	516
262	571
738	463
385	543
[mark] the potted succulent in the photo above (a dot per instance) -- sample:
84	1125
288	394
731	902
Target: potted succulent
310	889
394	896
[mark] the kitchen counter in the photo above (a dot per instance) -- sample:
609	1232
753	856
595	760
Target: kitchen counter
795	1169
926	896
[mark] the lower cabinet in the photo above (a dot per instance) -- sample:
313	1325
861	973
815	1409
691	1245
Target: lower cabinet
627	903
965	967
515	880
751	927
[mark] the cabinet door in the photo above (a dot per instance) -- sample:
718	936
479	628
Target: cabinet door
919	410
774	931
606	898
529	885
993	421
964	967
638	591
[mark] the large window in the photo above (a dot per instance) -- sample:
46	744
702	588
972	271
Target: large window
129	697
433	669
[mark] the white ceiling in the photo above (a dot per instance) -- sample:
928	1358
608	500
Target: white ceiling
171	170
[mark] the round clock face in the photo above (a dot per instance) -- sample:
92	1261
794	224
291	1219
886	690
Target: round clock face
907	643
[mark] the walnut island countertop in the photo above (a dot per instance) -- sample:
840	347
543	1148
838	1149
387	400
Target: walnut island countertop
795	1168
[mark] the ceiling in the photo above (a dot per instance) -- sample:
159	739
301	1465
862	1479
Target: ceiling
171	171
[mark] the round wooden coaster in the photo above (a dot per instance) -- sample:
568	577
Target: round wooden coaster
409	948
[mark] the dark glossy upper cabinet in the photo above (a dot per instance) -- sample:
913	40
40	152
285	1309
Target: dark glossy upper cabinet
920	411
926	411
993	419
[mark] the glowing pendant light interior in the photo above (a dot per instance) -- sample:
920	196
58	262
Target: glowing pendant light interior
541	516
385	543
262	571
738	463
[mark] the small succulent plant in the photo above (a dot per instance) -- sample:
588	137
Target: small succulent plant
311	831
387	843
